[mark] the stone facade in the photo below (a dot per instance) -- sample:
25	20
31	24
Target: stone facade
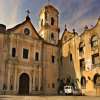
81	58
33	62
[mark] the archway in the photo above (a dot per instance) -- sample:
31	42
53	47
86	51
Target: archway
24	84
96	79
83	82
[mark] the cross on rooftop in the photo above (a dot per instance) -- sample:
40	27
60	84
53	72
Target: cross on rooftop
27	12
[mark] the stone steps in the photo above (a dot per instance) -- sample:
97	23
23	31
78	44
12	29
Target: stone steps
6	97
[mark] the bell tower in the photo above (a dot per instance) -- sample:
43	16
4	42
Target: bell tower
49	24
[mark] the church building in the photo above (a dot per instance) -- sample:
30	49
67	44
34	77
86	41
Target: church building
33	62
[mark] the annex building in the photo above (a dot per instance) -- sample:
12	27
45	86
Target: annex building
33	62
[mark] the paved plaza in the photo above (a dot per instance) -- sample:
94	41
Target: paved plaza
49	98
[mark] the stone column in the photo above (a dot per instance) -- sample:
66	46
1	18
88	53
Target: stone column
34	78
8	78
1	78
39	86
15	77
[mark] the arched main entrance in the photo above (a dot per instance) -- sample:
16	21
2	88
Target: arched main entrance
96	80
24	84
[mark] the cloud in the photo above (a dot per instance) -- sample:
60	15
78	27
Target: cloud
87	16
79	25
74	13
83	8
78	13
2	10
8	11
16	4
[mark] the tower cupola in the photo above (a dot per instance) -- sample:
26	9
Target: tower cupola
49	24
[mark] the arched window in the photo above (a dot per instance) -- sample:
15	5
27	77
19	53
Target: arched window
52	21
95	59
71	58
52	36
83	82
42	22
94	41
96	79
46	15
81	47
82	64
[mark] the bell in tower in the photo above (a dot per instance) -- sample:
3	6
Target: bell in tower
49	24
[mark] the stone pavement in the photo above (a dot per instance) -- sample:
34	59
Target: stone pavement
2	97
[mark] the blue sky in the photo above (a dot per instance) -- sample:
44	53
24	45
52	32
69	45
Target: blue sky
74	13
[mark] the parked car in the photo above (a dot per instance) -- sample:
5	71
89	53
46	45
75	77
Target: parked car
77	92
68	90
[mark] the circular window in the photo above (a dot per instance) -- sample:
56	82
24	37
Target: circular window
26	31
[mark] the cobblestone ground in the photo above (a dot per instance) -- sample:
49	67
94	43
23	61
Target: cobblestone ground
49	98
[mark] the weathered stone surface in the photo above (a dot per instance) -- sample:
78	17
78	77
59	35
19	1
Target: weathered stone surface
49	98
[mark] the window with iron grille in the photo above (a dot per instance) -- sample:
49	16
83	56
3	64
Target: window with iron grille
13	52
71	57
52	36
82	64
81	47
53	59
95	59
25	53
52	21
36	56
94	41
